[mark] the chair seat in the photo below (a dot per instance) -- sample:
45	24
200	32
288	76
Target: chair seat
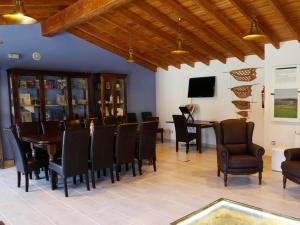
291	167
242	161
56	166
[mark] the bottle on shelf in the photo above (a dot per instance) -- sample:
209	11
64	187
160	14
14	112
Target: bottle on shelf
92	126
111	99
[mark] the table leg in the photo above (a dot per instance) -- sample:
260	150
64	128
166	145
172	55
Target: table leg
51	149
37	171
198	139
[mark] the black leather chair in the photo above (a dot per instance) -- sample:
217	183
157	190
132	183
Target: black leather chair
74	156
182	134
52	127
102	151
73	124
291	166
147	143
147	116
23	164
110	121
125	146
131	118
236	153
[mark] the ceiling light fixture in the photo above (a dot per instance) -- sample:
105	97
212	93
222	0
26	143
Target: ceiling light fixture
254	33
18	16
130	58
179	44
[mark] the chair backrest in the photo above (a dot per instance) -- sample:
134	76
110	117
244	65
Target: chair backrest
235	134
147	140
72	124
97	122
145	116
102	147
180	127
126	142
131	118
52	127
32	128
19	154
75	151
110	121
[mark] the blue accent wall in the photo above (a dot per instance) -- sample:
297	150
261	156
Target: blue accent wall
66	52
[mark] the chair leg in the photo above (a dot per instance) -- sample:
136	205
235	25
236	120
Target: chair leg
30	175
93	179
187	147
87	180
98	174
111	169
104	172
26	181
52	181
117	167
225	179
46	173
80	178
19	179
162	136
133	168
284	182
218	172
66	187
259	177
176	146
154	165
140	163
74	179
127	167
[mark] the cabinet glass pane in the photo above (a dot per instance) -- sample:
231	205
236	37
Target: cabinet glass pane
56	96
120	97
28	90
80	97
108	98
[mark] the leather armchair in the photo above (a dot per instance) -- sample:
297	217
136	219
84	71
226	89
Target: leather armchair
236	154
291	166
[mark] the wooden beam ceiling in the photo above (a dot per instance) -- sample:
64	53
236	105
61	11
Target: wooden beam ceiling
77	13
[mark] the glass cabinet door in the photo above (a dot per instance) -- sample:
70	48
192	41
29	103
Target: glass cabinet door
80	99
108	104
120	97
56	98
29	100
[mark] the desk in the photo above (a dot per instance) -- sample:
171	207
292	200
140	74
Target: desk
50	142
199	125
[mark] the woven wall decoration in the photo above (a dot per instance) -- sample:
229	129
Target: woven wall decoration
248	74
241	104
243	91
243	113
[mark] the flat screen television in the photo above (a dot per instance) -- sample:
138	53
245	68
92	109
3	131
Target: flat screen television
202	87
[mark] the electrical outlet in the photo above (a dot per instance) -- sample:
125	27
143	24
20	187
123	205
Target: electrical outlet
273	143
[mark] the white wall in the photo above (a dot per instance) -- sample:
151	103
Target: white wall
172	89
281	132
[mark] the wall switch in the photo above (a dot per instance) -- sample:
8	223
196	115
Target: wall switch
14	55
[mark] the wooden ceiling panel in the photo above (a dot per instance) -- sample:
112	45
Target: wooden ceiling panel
211	29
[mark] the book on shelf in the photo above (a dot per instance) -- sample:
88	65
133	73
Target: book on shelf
25	99
26	116
61	100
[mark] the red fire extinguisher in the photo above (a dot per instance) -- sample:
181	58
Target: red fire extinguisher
263	97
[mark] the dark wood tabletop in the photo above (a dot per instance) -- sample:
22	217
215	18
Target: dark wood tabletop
43	139
202	123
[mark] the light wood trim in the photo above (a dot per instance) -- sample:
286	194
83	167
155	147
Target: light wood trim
77	13
285	18
198	24
110	47
231	26
155	13
262	25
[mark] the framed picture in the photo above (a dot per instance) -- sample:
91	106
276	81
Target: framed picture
286	86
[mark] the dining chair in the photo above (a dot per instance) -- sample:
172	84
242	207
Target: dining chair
74	159
110	121
102	151
52	127
23	164
147	143
97	122
73	124
131	118
147	116
182	134
125	146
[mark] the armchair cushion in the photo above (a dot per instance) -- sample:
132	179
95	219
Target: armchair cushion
291	168
242	161
292	154
256	150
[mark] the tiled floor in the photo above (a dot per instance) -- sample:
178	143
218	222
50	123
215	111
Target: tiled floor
182	184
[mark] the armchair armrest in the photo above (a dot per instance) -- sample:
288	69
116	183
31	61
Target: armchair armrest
292	154
256	150
222	151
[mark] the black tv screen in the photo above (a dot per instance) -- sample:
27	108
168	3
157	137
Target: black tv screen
202	87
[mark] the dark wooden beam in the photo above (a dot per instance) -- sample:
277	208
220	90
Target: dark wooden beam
77	13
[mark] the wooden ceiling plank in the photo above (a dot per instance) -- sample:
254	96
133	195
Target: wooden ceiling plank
262	25
219	16
77	13
168	39
96	32
198	24
285	18
161	17
106	45
140	36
